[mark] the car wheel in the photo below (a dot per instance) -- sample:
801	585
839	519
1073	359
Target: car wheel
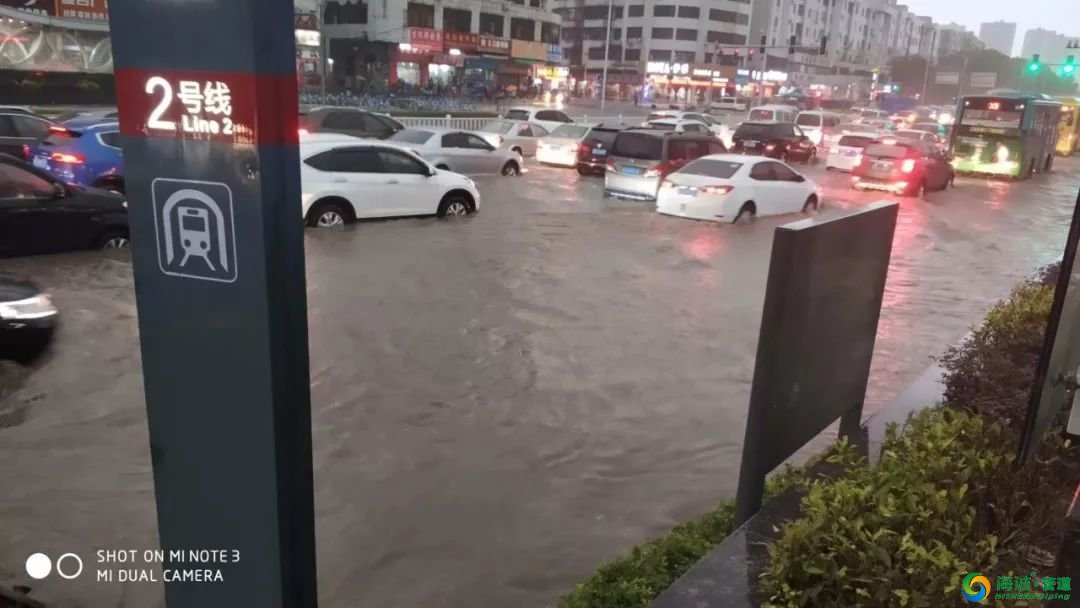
454	205
582	171
113	239
919	191
327	215
811	204
812	157
511	169
747	213
112	185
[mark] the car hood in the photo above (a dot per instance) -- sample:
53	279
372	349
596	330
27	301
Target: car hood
13	289
98	199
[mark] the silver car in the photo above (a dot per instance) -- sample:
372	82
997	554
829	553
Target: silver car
460	151
560	147
516	135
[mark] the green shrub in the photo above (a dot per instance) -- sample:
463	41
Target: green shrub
899	533
991	372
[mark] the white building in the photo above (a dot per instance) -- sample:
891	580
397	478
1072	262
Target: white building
1051	46
999	36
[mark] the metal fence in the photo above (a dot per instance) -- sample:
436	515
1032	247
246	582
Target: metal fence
471	123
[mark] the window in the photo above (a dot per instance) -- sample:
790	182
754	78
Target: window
693	128
110	138
596	52
345	120
689	12
659	55
412	136
517	115
784	174
393	161
420	15
600	11
522	29
454	140
633	32
687	149
762	172
661	10
722	169
525	131
552	115
28	126
336	12
636	10
684	56
539	131
323	161
491	25
355	160
685	34
476	143
549	33
20	183
372	124
638	145
662	33
456	20
716	14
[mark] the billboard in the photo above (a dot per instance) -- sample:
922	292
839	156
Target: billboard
983	80
38	7
86	10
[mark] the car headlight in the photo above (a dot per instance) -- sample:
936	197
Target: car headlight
37	307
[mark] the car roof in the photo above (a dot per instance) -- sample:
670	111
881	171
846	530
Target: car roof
444	130
861	134
315	138
768	123
742	159
314	147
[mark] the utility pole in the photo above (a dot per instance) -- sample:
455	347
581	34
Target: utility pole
607	49
323	46
926	77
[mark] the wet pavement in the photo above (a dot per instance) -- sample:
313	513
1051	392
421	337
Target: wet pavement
499	403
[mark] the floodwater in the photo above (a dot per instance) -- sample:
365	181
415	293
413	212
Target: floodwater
499	403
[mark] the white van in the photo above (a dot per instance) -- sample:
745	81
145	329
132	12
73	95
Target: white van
777	113
724	104
820	127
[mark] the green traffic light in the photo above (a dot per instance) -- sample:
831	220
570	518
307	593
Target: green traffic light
1068	70
1034	67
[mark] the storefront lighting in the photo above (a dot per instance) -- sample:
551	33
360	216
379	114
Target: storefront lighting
455	52
404	47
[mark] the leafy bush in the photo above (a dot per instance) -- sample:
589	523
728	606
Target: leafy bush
899	533
991	372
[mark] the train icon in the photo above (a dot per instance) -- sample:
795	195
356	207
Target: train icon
195	231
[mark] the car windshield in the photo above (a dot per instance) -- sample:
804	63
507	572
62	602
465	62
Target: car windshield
498	126
662	125
722	169
638	145
870	114
808	120
855	141
570	131
602	136
882	150
412	136
517	114
748	129
761	115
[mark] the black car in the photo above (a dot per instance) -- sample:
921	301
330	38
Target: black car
781	140
27	320
348	121
19	129
592	153
40	214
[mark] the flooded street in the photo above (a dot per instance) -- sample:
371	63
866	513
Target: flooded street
499	403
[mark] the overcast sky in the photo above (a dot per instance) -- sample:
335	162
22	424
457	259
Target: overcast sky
1057	15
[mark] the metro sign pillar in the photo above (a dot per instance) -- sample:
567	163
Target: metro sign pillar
208	117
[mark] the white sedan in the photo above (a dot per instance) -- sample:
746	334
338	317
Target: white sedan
521	137
730	188
560	147
847	151
458	151
680	125
344	179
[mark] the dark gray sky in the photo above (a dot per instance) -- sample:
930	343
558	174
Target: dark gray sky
1057	15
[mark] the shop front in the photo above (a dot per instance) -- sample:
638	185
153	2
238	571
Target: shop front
410	62
308	50
551	77
527	57
753	83
686	83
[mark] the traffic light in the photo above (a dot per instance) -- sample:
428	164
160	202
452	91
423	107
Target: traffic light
824	44
1034	66
738	57
896	88
764	43
791	46
1070	66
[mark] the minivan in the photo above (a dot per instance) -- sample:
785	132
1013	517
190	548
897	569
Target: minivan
819	126
774	112
640	158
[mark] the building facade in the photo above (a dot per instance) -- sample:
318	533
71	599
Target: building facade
999	36
1051	46
479	45
955	38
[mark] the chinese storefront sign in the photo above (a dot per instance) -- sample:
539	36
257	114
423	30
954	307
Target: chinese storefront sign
38	7
461	41
554	53
553	72
494	46
87	10
424	40
536	51
673	69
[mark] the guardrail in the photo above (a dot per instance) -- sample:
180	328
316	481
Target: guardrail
472	123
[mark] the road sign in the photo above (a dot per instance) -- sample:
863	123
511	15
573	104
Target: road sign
208	121
947	78
983	80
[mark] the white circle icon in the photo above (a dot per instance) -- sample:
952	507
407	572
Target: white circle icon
38	566
78	561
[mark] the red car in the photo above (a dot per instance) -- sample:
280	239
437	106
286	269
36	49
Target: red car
902	166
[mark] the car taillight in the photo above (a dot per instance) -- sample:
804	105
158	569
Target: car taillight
583	148
62	157
609	165
26	152
667	184
62	131
858	160
655	170
908	165
717	189
302	131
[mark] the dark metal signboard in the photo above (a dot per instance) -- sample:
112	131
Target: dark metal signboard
208	118
818	327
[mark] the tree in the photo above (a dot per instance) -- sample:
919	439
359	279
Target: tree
910	72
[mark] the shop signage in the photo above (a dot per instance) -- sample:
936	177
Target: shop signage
716	73
553	72
494	46
448	59
308	37
662	67
522	49
87	10
38	7
755	75
461	41
554	53
424	40
307	21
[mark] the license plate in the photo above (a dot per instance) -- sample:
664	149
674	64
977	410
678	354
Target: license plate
684	191
849	152
630	171
599	152
750	144
41	162
882	166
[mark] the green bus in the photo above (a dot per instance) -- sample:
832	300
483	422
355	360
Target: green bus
1005	135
